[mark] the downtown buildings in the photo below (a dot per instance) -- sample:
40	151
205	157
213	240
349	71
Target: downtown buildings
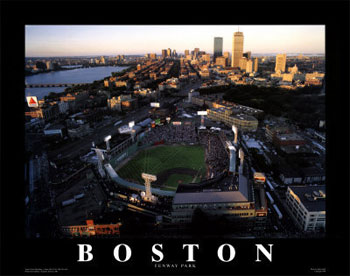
281	62
237	48
217	47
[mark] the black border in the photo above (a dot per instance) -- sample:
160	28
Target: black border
291	257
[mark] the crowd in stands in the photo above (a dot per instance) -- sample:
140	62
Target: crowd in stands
170	133
216	155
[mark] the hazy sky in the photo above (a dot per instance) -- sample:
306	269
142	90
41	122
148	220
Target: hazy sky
81	40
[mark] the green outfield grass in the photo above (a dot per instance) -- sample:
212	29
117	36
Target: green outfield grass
174	180
158	159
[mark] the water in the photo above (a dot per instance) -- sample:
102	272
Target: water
72	66
79	75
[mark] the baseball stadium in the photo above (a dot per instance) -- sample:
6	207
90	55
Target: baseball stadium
176	153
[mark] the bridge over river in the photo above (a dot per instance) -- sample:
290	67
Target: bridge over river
32	85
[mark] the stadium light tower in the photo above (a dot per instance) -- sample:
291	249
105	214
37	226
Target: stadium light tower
133	131
232	168
100	159
148	179
235	131
241	157
109	137
202	114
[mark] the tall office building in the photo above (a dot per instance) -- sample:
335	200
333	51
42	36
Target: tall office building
169	52
237	48
153	56
187	52
242	63
227	56
48	65
217	47
196	52
256	63
164	53
281	60
221	61
249	66
174	53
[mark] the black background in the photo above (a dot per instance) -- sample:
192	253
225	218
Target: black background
290	257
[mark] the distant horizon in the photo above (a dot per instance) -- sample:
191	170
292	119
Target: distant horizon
110	40
159	54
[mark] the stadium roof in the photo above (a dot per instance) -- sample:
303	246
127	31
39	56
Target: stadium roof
209	197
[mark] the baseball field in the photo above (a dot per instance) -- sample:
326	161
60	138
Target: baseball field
172	164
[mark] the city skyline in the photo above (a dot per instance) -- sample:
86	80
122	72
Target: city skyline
89	40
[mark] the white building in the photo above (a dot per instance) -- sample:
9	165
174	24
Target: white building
308	206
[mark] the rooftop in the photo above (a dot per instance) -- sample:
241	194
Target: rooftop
312	197
240	194
289	137
209	197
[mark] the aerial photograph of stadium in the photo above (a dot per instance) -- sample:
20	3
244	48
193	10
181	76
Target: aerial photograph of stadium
175	131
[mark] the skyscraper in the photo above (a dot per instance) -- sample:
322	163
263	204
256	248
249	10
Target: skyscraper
169	52
249	66
281	60
242	63
256	63
217	47
153	56
48	65
195	53
187	52
237	48
164	53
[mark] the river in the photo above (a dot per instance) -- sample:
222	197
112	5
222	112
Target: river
79	75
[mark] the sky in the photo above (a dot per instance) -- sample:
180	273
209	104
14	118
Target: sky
86	40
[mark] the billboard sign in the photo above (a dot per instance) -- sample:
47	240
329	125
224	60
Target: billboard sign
202	113
177	123
32	101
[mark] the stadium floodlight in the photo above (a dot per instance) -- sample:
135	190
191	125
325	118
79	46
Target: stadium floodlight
107	138
235	130
155	105
232	148
202	113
